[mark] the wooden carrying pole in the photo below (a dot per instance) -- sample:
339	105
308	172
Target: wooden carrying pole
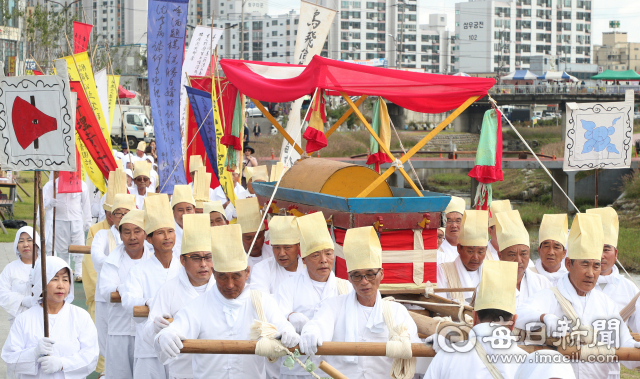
419	145
79	249
53	229
380	143
35	215
278	126
115	297
43	257
331	371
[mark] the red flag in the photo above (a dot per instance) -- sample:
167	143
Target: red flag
81	32
70	182
37	72
29	122
90	133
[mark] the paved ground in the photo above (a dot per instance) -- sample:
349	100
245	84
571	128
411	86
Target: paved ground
6	256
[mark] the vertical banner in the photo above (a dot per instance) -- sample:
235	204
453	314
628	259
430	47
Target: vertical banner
313	28
226	180
196	61
81	33
165	49
112	83
71	181
203	111
103	93
11	69
89	84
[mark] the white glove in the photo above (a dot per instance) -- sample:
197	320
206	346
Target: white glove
290	338
50	364
551	323
298	320
170	343
53	202
27	301
310	339
160	323
44	347
432	341
636	345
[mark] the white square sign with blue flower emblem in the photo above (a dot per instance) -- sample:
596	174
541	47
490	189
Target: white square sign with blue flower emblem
599	135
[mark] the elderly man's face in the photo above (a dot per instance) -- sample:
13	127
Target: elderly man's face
472	256
516	253
454	221
231	284
583	274
366	282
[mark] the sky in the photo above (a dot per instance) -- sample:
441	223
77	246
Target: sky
625	11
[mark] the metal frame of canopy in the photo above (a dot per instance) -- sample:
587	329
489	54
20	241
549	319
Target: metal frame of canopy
353	108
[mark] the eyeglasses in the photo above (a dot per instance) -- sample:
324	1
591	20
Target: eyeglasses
141	179
199	258
119	214
370	277
457	222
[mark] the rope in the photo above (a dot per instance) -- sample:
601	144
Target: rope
397	164
398	346
405	153
493	370
275	189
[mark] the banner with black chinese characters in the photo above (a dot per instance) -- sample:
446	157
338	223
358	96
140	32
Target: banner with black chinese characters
90	133
81	34
165	51
36	122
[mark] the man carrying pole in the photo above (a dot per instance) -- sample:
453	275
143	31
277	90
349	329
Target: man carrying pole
182	203
448	251
553	247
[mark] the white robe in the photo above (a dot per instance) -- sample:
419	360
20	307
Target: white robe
140	287
267	252
267	275
621	290
598	307
493	251
468	279
14	287
140	198
331	319
467	364
100	252
174	295
297	294
209	317
531	284
446	252
552	276
76	343
178	245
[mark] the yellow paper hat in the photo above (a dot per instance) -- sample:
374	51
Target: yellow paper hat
125	201
586	238
158	213
141	146
142	168
213	206
610	224
510	230
135	217
249	216
362	249
197	233
260	173
201	184
456	204
473	231
314	235
182	194
554	227
119	163
283	230
497	288
117	184
498	206
227	249
195	162
276	171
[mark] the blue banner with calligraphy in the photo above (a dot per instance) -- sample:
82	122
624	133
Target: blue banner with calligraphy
202	107
165	50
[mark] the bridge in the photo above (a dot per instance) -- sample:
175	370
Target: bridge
611	179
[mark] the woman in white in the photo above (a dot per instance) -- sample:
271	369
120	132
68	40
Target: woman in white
15	288
70	351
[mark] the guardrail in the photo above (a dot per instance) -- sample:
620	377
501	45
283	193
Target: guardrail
561	89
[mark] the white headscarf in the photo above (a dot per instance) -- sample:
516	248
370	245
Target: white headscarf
29	231
54	264
545	364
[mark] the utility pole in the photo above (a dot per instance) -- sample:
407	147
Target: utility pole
242	30
404	5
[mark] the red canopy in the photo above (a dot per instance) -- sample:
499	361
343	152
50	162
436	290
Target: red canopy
124	93
420	92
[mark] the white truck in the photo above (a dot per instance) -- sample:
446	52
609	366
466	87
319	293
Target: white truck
136	124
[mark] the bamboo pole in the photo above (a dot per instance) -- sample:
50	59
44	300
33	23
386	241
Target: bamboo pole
420	291
53	229
79	249
427	326
115	297
443	310
141	311
419	145
277	125
43	259
345	116
35	215
381	144
331	371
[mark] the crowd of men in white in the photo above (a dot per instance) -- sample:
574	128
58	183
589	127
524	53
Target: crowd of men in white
191	271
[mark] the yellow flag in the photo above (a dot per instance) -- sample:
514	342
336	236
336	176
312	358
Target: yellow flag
89	85
112	83
226	180
89	166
